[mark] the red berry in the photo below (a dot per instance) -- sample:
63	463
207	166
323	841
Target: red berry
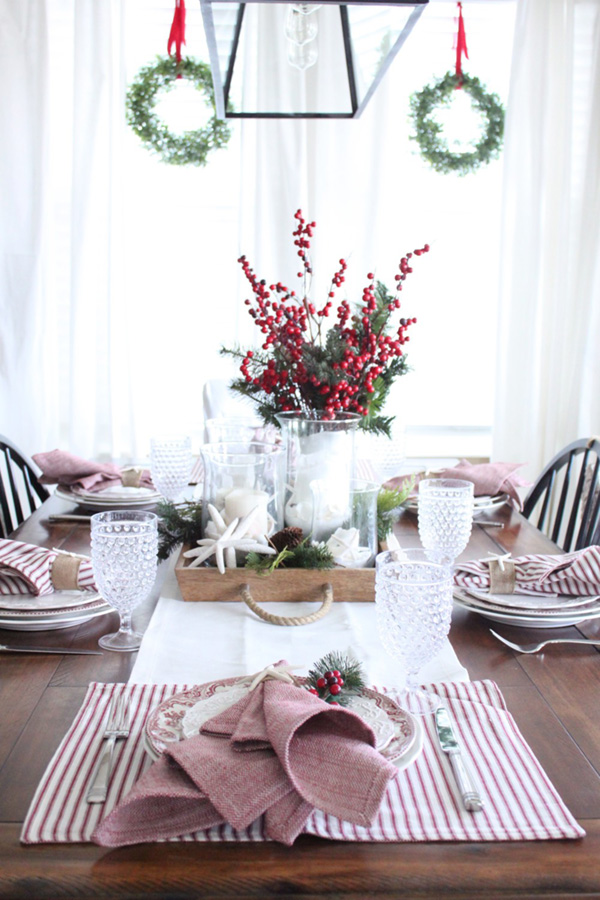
313	691
334	689
328	674
332	679
321	682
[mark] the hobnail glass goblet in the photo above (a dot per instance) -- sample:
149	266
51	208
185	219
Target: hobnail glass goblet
124	560
170	464
445	512
413	599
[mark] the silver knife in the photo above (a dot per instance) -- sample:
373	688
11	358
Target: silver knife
4	648
471	798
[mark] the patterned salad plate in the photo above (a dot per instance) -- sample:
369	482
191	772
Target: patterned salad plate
398	734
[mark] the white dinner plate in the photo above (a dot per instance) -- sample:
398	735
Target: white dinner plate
50	620
401	744
529	619
57	600
110	498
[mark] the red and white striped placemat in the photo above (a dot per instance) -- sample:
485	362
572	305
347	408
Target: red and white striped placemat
420	804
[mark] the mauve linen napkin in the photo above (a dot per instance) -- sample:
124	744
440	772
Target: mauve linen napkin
61	467
27	569
489	478
280	751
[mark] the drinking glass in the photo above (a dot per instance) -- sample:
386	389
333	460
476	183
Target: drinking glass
124	560
413	599
170	464
445	511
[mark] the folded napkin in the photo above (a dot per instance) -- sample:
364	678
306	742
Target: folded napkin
279	751
576	574
27	569
489	478
60	467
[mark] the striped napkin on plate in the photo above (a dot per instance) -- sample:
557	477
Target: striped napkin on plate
27	569
419	805
573	574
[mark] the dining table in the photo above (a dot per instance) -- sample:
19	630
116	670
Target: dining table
553	695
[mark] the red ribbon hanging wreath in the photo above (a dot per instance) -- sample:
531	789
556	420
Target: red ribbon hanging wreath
461	46
177	33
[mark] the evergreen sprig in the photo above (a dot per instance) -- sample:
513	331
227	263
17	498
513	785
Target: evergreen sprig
350	670
304	556
389	501
178	524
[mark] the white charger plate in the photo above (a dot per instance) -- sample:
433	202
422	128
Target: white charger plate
165	724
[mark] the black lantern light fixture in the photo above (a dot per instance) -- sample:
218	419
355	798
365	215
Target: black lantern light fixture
283	59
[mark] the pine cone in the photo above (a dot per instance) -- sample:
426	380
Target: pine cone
286	539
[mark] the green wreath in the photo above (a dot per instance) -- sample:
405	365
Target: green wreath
429	136
191	147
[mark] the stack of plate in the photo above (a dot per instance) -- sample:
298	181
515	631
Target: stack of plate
530	611
48	612
484	502
110	498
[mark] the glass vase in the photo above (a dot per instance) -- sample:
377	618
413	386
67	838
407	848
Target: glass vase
241	477
318	449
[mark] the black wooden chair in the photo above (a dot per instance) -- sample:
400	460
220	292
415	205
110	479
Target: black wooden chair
20	491
564	503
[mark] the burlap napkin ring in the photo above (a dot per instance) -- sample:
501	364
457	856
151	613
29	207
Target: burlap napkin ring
131	477
502	576
64	571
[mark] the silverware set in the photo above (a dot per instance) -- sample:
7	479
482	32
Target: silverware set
117	728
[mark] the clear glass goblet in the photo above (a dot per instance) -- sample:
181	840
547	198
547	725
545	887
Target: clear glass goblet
170	464
413	599
124	560
445	512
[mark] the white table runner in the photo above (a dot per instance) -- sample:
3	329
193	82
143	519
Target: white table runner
197	642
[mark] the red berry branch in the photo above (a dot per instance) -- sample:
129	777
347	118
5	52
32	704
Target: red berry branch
311	366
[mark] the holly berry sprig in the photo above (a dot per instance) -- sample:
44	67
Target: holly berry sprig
307	364
334	678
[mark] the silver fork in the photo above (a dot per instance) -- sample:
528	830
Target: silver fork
533	648
117	727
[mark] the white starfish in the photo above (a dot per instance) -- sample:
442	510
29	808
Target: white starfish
226	540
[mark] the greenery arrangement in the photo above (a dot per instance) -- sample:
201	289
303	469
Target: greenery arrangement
335	678
303	556
191	147
307	366
429	133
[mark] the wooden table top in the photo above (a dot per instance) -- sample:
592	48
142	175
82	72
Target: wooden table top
554	697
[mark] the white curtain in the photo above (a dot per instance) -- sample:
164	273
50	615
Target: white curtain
24	130
549	321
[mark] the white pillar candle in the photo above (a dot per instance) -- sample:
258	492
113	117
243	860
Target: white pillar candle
240	501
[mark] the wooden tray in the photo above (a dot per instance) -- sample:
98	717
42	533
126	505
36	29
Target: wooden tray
201	584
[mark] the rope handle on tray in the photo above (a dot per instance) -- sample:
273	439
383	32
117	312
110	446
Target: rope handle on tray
288	620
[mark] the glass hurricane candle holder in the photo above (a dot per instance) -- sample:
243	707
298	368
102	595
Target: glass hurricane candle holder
242	477
318	449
